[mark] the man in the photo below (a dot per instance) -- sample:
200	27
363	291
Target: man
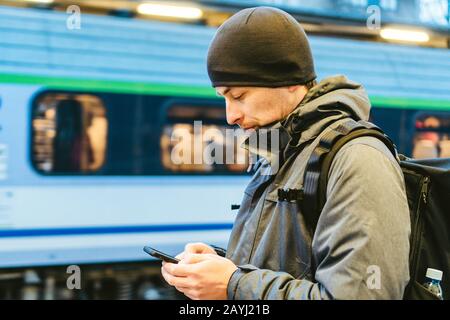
260	62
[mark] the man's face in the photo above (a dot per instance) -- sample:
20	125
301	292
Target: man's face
255	107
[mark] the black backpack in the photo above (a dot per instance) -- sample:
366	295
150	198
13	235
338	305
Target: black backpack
428	192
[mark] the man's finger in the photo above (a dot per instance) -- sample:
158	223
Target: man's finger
178	270
191	294
182	289
195	247
165	275
176	281
180	255
191	258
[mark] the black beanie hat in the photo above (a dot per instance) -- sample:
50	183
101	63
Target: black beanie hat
260	47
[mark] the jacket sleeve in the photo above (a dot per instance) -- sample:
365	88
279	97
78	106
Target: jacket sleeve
361	244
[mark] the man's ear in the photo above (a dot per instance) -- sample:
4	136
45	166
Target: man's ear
298	91
294	87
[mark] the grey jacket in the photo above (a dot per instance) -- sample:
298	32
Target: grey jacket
360	247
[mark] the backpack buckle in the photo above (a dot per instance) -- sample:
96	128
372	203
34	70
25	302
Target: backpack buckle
290	194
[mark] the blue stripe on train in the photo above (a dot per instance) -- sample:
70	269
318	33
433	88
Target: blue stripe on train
113	230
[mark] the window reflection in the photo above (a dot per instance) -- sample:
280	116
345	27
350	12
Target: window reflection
214	147
432	136
125	134
69	133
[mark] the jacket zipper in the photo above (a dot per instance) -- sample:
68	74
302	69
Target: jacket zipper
419	225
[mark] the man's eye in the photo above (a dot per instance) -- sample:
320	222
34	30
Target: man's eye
239	97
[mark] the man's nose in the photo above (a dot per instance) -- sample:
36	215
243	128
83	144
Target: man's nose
234	114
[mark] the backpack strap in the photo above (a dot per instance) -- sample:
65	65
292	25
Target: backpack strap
316	172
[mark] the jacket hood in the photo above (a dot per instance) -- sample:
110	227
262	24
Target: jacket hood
332	99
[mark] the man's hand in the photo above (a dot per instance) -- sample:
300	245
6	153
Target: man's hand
196	247
200	276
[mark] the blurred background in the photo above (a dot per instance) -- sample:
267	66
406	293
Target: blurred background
91	93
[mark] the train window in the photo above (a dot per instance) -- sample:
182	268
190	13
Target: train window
432	136
208	145
69	133
125	134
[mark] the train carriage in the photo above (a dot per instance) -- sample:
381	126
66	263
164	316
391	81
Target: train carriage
87	115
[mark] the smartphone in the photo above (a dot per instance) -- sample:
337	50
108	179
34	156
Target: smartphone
161	255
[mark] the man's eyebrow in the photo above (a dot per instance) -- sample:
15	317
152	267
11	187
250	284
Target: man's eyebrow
224	92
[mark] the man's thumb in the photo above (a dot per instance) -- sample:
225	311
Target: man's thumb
194	248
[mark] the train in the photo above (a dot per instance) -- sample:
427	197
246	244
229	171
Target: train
87	118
